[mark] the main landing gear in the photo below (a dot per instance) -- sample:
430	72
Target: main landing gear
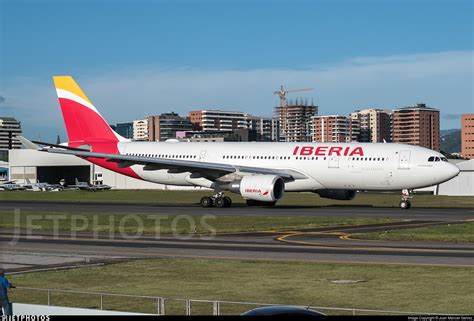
217	200
405	202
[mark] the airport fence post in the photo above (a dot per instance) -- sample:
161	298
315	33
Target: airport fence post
353	312
188	307
158	306
49	297
216	308
162	306
102	301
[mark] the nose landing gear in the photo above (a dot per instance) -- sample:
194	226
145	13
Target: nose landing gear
217	200
405	202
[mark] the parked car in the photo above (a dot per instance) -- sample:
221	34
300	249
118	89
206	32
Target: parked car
284	311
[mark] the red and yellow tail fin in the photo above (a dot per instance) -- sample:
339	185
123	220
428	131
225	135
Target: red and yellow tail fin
84	124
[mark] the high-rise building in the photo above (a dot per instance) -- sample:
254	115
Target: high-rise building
124	129
417	125
374	125
331	129
212	120
10	128
295	121
266	128
140	129
467	136
354	129
164	126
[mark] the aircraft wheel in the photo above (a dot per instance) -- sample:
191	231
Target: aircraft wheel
206	201
405	205
228	201
220	202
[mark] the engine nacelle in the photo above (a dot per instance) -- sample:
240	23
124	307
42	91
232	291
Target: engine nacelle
337	194
264	188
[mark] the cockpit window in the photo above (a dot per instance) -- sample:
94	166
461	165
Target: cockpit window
431	159
437	159
444	159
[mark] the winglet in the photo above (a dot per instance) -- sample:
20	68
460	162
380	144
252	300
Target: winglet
28	144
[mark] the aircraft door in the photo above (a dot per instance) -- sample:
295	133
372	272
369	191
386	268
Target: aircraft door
404	159
202	156
333	162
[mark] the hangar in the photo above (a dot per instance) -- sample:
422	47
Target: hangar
51	168
48	168
461	185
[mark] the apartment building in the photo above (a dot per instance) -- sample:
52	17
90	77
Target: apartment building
165	126
220	120
10	128
267	129
467	136
140	129
374	125
335	129
417	125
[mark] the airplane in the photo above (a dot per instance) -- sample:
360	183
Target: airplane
12	186
261	172
85	186
38	186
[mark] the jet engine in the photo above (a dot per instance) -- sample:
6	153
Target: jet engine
264	188
337	194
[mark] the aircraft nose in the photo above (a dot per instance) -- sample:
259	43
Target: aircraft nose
452	170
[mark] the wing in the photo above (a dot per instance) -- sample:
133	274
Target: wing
9	182
206	169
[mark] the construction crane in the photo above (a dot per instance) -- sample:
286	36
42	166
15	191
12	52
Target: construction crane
282	94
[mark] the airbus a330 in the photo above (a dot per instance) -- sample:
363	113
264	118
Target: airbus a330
261	172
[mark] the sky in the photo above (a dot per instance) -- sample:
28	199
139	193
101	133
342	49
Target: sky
142	57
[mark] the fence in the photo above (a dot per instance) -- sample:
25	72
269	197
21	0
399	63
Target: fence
161	305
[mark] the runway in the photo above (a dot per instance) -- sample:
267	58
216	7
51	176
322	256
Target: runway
29	252
445	214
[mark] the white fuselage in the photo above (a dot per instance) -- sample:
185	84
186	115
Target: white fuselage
348	166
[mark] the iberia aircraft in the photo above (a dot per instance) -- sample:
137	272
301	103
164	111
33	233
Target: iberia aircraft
261	172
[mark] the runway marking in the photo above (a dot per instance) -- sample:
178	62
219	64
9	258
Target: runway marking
347	236
374	247
149	242
280	238
268	259
228	246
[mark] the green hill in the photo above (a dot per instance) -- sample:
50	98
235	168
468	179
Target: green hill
451	140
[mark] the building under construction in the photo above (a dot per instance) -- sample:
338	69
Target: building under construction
295	119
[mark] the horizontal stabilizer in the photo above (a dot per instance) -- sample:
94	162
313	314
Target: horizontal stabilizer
27	143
